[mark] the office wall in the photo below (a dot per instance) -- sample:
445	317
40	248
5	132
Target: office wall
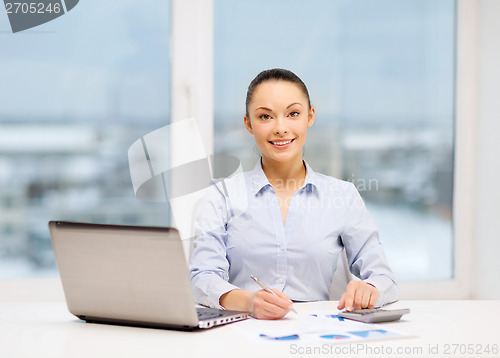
486	241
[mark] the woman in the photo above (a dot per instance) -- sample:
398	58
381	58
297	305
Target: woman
294	224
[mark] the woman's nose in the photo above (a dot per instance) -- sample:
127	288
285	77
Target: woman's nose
280	126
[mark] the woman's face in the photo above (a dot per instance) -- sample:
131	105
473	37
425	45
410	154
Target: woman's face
278	117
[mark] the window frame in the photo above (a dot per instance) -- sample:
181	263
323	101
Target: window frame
191	84
460	286
192	94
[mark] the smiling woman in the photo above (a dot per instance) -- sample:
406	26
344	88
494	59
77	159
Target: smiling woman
289	232
381	76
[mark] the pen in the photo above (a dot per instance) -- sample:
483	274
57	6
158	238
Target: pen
266	288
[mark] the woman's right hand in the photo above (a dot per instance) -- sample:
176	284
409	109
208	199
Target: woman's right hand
260	304
264	305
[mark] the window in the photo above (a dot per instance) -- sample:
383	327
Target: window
381	76
76	93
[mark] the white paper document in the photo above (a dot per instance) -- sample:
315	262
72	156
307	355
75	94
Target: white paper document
316	326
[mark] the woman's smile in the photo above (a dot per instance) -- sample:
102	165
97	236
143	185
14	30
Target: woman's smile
281	143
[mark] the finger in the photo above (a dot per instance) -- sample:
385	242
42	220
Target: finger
286	298
282	295
349	296
262	313
365	300
341	304
274	312
373	298
371	301
358	297
279	301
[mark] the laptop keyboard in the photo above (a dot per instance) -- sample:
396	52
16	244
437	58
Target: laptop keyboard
207	313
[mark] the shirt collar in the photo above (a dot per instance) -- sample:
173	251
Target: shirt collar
260	180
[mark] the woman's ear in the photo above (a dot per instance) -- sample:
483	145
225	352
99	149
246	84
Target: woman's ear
311	117
248	124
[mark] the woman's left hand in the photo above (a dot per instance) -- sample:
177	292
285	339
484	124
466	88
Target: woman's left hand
358	295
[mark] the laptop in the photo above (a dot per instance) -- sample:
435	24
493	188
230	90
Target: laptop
129	275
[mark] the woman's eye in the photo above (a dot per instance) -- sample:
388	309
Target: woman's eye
265	116
294	114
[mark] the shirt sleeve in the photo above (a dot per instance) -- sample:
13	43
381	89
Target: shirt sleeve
364	251
209	266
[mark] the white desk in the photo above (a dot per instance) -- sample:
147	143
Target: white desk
38	330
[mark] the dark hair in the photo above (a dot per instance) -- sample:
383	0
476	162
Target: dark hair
276	74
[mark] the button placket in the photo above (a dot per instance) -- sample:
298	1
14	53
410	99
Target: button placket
280	235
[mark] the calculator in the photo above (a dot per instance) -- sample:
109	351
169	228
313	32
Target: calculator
373	315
